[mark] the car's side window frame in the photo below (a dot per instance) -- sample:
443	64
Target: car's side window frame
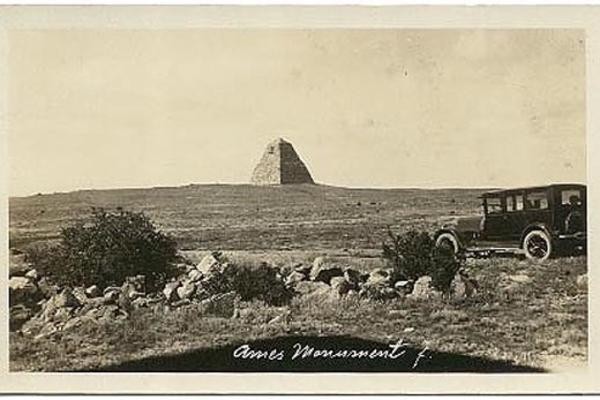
526	204
517	198
486	208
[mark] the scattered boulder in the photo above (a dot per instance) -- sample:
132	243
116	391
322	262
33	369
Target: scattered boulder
582	281
320	272
80	295
424	290
66	298
340	285
294	278
112	296
17	268
194	275
380	276
302	269
47	288
462	287
111	289
186	290
32	274
93	291
352	276
208	265
170	291
403	287
23	291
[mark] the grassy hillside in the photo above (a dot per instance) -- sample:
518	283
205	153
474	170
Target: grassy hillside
245	217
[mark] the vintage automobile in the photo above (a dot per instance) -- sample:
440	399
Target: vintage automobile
538	222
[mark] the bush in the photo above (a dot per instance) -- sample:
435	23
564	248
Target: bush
251	282
414	254
106	250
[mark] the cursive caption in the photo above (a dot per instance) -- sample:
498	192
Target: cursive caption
299	351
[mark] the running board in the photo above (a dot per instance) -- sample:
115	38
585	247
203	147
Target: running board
477	250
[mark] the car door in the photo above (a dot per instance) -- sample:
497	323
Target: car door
537	206
516	218
494	226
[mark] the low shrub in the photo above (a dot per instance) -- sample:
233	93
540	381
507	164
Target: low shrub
107	249
413	254
251	282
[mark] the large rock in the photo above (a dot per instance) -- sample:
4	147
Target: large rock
303	269
186	290
352	276
194	275
462	287
403	287
17	267
112	296
170	291
47	288
32	274
582	281
320	272
63	300
23	291
295	277
93	291
380	276
80	295
66	298
340	285
208	265
423	289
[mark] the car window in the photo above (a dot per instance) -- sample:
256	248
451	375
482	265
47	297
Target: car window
537	201
494	205
519	202
571	197
514	202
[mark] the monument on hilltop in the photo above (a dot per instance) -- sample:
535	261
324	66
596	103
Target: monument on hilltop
280	165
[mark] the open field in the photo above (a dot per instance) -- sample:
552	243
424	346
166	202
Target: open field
525	313
244	217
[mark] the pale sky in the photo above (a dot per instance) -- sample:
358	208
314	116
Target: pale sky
363	108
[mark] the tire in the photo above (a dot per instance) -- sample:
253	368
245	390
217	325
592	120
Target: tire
537	245
449	241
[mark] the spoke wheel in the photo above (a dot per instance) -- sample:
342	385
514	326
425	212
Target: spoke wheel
447	241
537	245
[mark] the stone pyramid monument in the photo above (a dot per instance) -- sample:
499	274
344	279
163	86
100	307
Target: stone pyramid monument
280	165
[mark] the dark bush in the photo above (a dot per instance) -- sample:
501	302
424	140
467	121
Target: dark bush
251	282
106	250
414	254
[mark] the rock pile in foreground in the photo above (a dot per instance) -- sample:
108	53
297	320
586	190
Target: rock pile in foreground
40	309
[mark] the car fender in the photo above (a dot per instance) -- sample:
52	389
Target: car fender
453	232
536	226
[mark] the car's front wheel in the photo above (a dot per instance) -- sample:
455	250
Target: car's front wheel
448	241
537	245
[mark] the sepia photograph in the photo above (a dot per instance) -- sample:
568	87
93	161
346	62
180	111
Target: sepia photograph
300	200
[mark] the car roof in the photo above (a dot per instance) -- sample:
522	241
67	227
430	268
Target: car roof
497	192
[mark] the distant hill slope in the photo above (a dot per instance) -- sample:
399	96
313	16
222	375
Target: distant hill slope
251	217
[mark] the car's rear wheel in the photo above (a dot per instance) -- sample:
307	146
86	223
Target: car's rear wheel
448	241
537	245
